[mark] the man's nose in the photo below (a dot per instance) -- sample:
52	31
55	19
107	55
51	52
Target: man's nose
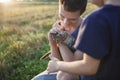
65	21
66	24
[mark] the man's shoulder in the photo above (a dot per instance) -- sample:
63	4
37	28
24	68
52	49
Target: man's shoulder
96	17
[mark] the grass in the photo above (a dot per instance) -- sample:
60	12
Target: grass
23	37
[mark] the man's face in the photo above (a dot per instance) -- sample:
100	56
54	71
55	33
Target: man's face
69	20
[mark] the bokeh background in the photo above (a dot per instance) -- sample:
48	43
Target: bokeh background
24	25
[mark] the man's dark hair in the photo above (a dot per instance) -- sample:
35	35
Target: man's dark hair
74	5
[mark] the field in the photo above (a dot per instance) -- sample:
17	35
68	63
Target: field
23	37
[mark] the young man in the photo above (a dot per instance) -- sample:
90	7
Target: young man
70	20
98	40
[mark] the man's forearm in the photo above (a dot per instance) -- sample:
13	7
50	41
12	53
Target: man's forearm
55	52
69	55
66	53
87	66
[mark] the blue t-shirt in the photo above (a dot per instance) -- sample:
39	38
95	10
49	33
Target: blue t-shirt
100	38
75	33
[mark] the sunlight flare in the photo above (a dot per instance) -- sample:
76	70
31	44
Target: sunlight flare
4	1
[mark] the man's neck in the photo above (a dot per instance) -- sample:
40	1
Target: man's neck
113	2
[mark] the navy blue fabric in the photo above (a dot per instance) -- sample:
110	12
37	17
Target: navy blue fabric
100	38
75	33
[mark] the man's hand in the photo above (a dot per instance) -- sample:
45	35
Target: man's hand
53	65
55	29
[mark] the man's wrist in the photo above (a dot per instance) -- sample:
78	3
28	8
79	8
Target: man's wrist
58	65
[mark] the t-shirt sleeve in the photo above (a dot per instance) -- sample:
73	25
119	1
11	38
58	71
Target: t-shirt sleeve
93	37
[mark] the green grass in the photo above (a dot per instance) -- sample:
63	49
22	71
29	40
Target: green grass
23	37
